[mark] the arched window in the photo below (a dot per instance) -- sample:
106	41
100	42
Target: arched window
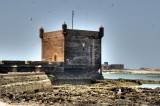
55	58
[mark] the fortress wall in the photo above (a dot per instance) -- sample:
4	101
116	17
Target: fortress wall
82	47
20	82
21	74
29	66
82	55
56	69
13	62
53	46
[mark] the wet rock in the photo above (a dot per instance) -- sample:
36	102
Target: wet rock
10	96
102	93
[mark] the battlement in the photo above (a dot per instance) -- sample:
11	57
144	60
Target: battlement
12	62
28	66
17	62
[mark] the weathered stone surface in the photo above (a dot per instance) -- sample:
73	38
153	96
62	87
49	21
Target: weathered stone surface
82	47
21	82
53	46
30	66
103	93
12	62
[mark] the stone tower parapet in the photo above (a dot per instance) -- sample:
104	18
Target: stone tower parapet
64	28
41	32
101	31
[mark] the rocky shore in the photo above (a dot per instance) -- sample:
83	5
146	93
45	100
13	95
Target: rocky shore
105	92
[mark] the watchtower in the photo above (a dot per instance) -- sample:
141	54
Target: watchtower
80	50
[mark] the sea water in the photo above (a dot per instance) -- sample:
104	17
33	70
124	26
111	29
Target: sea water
153	86
135	76
132	76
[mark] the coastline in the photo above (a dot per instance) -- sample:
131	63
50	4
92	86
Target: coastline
133	71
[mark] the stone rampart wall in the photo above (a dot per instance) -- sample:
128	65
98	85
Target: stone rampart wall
29	66
56	69
44	63
20	82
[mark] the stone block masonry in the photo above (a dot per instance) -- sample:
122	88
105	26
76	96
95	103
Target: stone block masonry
53	46
20	82
28	66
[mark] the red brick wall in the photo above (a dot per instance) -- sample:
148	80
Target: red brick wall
53	46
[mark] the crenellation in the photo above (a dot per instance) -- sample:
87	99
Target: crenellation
64	28
101	31
12	62
41	32
38	62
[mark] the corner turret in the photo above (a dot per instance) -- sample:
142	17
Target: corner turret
101	31
41	32
64	28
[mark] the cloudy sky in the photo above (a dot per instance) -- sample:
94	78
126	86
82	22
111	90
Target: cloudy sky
131	36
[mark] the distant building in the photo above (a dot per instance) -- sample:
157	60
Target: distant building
106	66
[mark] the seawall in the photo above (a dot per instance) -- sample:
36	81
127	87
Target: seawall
15	82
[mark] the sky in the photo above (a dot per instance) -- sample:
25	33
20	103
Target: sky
131	28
